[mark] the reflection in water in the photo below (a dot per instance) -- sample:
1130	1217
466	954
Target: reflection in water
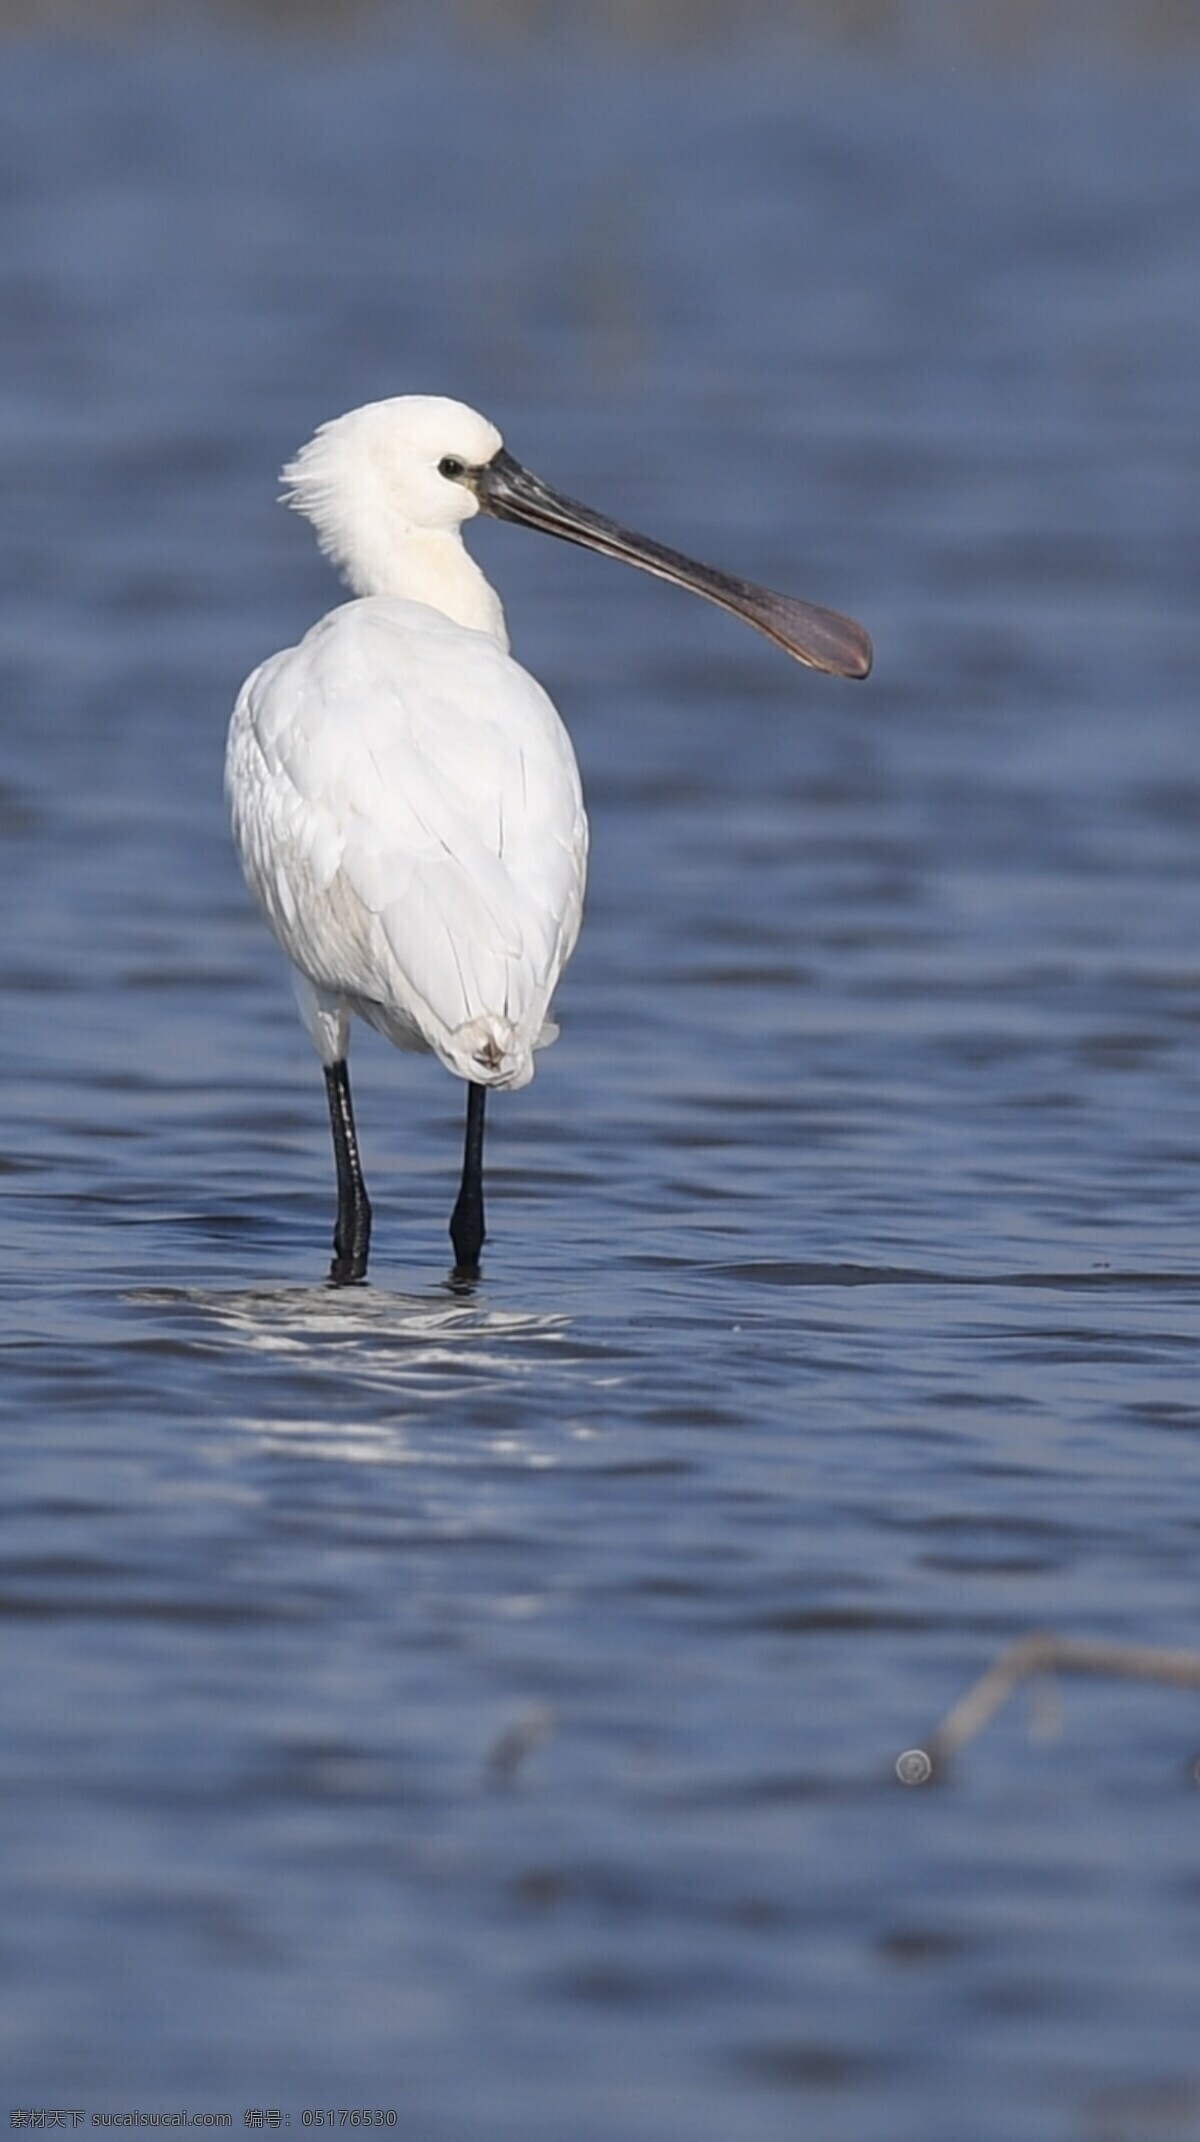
413	1351
279	1317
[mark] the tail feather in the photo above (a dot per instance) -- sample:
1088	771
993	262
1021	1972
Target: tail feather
490	1051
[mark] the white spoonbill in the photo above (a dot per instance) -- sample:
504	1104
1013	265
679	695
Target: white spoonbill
405	800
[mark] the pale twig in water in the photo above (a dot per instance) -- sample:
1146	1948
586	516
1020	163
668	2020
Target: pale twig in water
1041	1654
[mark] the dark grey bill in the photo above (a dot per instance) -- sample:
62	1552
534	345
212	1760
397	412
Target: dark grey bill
818	637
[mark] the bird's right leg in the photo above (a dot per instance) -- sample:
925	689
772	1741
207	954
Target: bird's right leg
327	1018
352	1232
467	1230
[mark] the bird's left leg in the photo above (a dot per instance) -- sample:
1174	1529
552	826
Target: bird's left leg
466	1224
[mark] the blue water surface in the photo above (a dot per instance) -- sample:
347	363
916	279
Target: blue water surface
486	1707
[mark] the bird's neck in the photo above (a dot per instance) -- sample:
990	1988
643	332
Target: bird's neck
433	567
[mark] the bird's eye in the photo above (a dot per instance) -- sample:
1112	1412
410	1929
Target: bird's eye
451	466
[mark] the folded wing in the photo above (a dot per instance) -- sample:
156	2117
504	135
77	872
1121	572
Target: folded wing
407	807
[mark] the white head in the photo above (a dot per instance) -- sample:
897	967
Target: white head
385	513
388	487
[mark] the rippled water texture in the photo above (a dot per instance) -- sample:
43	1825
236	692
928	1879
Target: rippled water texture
488	1707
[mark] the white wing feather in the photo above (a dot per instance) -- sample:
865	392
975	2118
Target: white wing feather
408	813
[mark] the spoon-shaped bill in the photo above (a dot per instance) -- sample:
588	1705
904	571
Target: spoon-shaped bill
820	638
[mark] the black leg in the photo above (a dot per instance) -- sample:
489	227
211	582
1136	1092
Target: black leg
352	1233
466	1226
